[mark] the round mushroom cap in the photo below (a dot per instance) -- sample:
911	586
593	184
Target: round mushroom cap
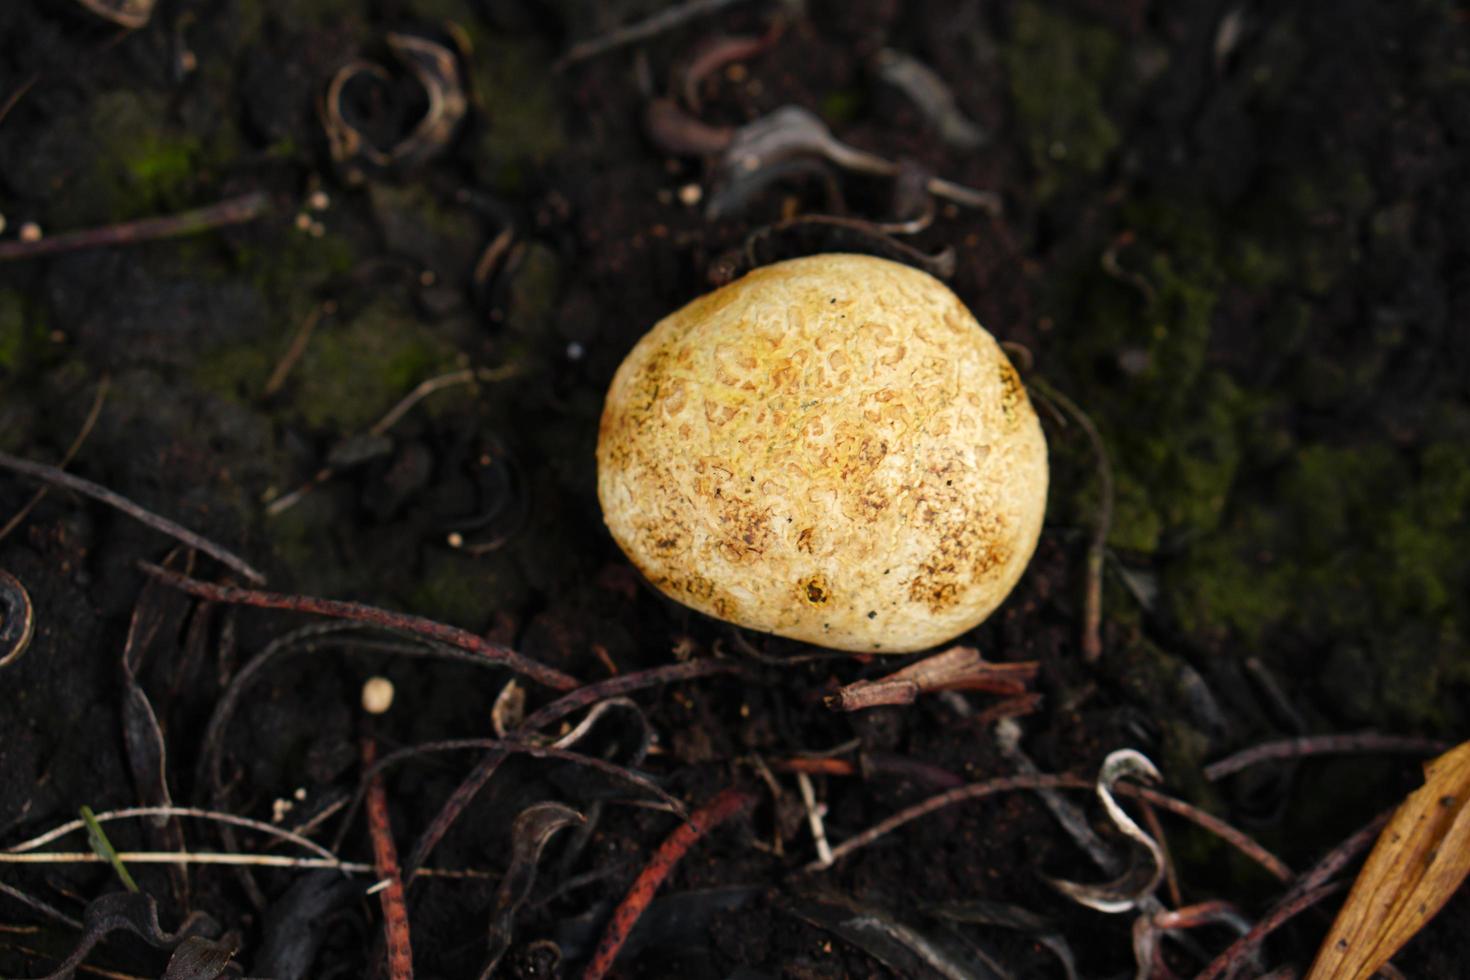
830	449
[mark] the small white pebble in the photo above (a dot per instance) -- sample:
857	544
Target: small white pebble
575	351
455	539
300	794
377	695
29	232
690	194
279	809
318	201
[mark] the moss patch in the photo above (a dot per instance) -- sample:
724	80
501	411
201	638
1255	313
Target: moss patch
514	87
1060	71
353	372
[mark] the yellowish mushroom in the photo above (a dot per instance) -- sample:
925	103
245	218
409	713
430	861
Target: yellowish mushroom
829	449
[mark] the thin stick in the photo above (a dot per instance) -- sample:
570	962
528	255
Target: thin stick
1042	781
639	31
724	806
56	477
427	387
215	816
71	451
421	391
1213	824
232	211
814	819
1309	745
974	791
1096	547
1171	875
39	906
362	613
471	785
1284	911
298	346
504	747
385	860
14	97
227	859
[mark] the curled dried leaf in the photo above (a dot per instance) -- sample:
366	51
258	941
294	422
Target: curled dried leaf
131	14
791	133
436	69
533	829
906	950
1142	876
132	912
932	96
198	958
1421	859
17	619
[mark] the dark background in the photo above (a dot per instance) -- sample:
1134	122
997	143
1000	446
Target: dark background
1235	234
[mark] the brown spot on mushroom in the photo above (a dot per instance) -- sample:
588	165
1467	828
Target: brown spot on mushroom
815	590
1012	392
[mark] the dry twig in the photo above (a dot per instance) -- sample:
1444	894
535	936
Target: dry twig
362	613
55	477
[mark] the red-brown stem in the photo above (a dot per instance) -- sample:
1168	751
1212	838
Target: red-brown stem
361	613
385	862
815	767
1213	824
233	211
724	806
1039	781
1296	748
1286	910
56	477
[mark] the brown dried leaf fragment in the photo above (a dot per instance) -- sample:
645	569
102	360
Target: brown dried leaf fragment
1420	860
956	669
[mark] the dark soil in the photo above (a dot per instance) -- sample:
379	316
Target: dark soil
1237	235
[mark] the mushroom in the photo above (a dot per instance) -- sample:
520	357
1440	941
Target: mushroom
830	449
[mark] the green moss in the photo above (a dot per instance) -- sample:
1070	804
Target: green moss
515	88
1060	71
353	372
841	106
138	162
1364	546
455	588
237	374
19	334
534	290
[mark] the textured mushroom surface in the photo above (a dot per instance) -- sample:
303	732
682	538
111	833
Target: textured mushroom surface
829	449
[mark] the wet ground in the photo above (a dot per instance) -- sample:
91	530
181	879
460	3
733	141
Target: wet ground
1233	234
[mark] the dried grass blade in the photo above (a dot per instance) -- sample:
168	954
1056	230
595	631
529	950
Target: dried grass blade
1420	860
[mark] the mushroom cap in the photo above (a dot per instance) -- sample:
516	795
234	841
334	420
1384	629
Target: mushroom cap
830	449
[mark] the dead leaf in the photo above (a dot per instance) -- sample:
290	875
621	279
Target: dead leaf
1420	860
